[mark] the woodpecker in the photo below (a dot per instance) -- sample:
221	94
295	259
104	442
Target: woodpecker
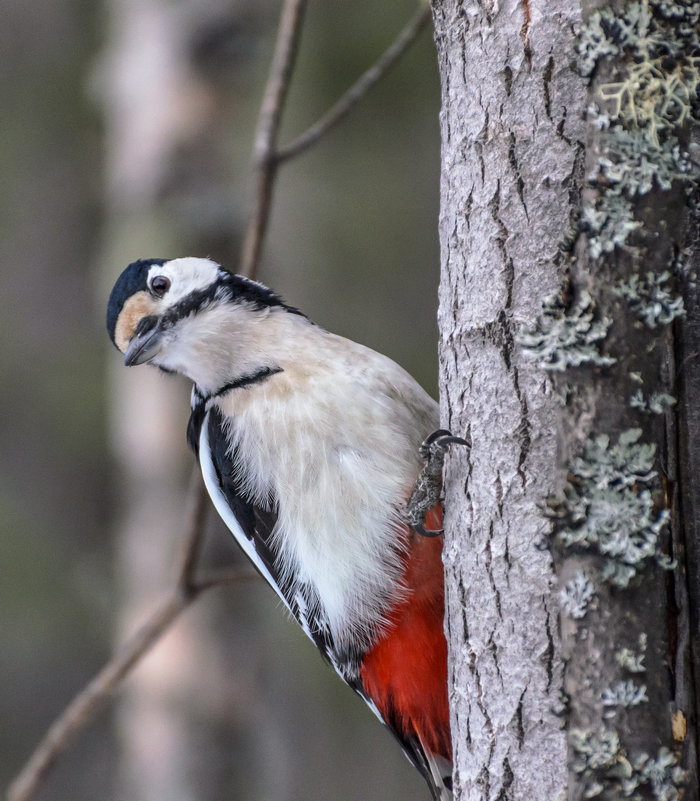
308	444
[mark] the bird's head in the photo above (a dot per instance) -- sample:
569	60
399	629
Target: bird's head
184	315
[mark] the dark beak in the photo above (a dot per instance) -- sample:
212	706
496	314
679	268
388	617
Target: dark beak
143	347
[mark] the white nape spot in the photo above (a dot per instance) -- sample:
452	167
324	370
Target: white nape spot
186	275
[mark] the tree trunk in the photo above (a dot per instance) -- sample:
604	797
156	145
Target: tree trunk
511	153
563	220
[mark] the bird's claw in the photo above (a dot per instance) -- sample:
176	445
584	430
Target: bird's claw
439	440
428	532
427	490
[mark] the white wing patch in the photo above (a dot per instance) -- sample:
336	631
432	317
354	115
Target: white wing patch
221	505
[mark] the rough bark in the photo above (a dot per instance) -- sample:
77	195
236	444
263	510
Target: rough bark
686	529
511	132
565	254
628	650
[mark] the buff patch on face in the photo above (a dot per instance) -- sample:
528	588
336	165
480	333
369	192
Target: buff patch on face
138	306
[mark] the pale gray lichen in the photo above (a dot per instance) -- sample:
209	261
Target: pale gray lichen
624	693
608	506
561	706
650	299
576	595
631	661
656	93
607	772
608	224
595	42
687	10
633	165
663	774
656	403
653	50
563	338
625	463
657	81
594	750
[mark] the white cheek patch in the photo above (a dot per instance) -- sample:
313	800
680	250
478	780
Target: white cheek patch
185	275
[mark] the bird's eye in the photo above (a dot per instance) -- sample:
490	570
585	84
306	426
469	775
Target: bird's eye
160	285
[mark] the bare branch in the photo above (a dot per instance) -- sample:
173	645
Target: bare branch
359	89
226	576
88	702
266	155
268	128
83	708
197	517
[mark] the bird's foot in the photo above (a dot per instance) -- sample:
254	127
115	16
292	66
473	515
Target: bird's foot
427	490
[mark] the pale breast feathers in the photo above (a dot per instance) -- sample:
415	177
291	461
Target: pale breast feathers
334	453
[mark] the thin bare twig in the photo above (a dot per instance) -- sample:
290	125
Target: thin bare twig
358	90
268	129
196	525
83	708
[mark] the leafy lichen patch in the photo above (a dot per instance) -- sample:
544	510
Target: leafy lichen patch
624	693
608	506
633	661
576	595
608	224
635	165
655	403
643	61
652	51
608	773
651	299
563	338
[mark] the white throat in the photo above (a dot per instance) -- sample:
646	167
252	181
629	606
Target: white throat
224	342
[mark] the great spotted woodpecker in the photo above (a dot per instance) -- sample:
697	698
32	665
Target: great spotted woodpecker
309	448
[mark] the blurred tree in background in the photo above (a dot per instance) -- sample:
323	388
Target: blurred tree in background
127	133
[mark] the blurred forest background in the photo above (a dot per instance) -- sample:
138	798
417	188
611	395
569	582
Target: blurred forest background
126	132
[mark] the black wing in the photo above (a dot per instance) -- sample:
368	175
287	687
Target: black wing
255	523
254	534
254	531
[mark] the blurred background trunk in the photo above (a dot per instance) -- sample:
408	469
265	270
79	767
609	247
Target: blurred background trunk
168	186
